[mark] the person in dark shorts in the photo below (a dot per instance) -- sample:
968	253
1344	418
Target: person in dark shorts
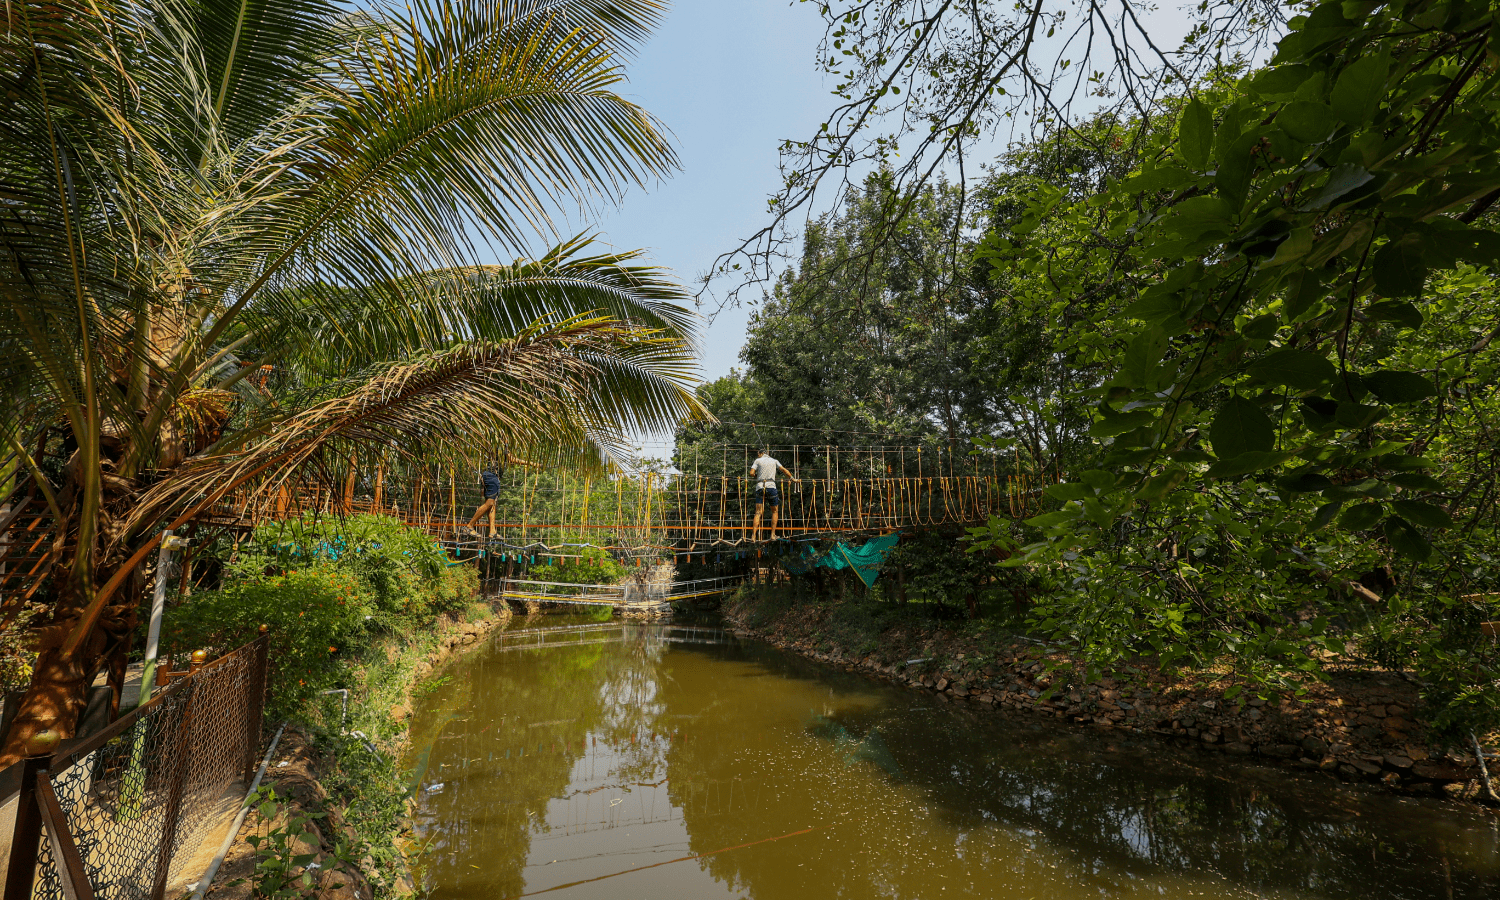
491	479
764	471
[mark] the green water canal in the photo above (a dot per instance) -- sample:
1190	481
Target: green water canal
581	761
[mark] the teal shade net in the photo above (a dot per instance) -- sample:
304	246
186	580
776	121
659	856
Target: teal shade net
865	559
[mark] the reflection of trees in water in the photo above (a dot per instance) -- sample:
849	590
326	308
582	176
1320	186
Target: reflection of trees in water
896	793
1139	813
504	737
1117	815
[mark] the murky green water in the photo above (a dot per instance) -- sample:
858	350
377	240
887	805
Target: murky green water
660	762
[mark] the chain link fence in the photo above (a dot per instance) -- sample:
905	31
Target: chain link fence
133	803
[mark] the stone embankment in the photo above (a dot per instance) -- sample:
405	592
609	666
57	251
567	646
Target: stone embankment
1357	725
453	638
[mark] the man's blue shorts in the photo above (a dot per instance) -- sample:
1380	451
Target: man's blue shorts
768	496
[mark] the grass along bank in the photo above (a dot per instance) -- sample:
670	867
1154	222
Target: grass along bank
1356	723
360	611
352	777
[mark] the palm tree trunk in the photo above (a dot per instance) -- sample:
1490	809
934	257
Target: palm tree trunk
60	681
59	684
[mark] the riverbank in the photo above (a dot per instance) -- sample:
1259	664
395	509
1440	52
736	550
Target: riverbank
1357	725
340	771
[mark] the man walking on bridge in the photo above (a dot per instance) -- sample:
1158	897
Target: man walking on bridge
491	478
764	470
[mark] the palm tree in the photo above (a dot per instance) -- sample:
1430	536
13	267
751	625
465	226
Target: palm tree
194	190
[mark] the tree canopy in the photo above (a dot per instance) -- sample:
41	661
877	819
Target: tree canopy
1251	317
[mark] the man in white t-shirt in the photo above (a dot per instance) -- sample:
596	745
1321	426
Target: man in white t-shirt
764	471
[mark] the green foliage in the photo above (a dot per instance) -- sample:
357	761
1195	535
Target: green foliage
316	618
1289	305
372	792
408	576
853	339
934	567
325	589
377	548
595	567
284	850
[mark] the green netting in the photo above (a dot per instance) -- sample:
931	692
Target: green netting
865	560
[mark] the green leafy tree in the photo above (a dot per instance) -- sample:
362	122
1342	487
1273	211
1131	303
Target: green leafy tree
1295	404
199	191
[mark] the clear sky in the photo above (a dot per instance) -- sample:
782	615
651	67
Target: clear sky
731	79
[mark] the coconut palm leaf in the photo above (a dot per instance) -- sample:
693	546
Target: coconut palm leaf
446	307
575	389
254	52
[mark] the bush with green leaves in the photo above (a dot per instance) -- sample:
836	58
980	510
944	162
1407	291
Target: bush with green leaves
1289	303
595	567
316	618
408	575
326	588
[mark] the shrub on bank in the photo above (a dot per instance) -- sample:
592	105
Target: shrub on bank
316	618
327	589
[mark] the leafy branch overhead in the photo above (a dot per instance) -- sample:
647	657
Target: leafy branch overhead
918	86
1283	238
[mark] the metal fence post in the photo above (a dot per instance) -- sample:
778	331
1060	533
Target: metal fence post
174	792
256	703
71	874
25	840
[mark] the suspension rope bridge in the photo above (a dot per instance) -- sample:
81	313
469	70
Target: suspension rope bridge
706	502
700	507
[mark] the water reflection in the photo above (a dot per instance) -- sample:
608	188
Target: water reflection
653	761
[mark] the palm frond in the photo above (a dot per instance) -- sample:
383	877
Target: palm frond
447	126
574	389
436	310
255	52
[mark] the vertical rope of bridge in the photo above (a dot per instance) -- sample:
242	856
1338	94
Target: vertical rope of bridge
842	491
885	485
797	485
826	486
888	501
854	498
698	489
528	502
913	491
901	482
916	496
588	485
453	501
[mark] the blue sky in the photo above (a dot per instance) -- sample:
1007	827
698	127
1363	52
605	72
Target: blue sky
731	79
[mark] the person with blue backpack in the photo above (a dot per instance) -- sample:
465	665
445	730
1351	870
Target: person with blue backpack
490	479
